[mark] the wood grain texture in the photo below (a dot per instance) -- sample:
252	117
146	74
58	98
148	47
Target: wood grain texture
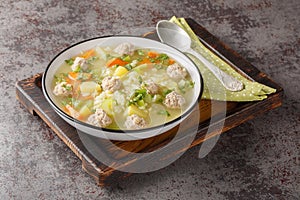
30	95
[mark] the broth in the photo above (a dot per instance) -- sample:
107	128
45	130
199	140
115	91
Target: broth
122	87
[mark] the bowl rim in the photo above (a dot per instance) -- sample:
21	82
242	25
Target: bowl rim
107	130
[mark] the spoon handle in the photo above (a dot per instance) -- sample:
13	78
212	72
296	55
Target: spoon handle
228	81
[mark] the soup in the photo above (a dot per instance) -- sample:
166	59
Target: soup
122	87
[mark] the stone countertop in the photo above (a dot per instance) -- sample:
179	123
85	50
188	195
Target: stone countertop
257	160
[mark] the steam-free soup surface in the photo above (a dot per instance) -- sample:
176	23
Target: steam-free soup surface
122	87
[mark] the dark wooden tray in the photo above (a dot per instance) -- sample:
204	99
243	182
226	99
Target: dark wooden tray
29	93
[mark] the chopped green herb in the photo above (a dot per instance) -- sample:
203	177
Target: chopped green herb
140	80
64	103
138	95
60	77
67	87
109	56
83	76
128	67
141	103
158	66
148	98
157	98
92	59
192	84
78	69
185	85
152	60
140	52
97	78
162	57
126	58
93	110
70	61
67	101
164	112
166	92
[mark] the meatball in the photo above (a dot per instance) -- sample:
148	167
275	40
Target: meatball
152	88
175	71
100	118
125	48
111	83
135	122
93	120
62	89
174	100
79	62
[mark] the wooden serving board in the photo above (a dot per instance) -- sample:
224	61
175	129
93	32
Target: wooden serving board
118	155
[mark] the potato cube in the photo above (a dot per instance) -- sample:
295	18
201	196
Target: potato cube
87	88
132	109
85	111
121	71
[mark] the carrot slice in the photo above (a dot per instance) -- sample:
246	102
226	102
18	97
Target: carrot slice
68	80
145	61
88	54
116	61
89	97
152	54
73	75
66	110
171	61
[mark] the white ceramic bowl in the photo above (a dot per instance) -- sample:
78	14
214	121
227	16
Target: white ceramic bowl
113	41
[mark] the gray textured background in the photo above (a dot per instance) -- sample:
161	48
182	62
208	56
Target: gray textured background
257	160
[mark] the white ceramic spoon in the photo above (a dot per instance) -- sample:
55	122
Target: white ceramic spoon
175	36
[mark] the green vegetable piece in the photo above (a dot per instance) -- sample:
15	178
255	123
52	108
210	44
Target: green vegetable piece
158	66
60	77
128	67
140	80
138	95
64	102
148	98
77	103
68	87
85	111
70	61
141	67
126	58
157	98
164	112
83	76
152	60
166	92
140	52
141	103
67	101
162	57
92	59
78	69
184	85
